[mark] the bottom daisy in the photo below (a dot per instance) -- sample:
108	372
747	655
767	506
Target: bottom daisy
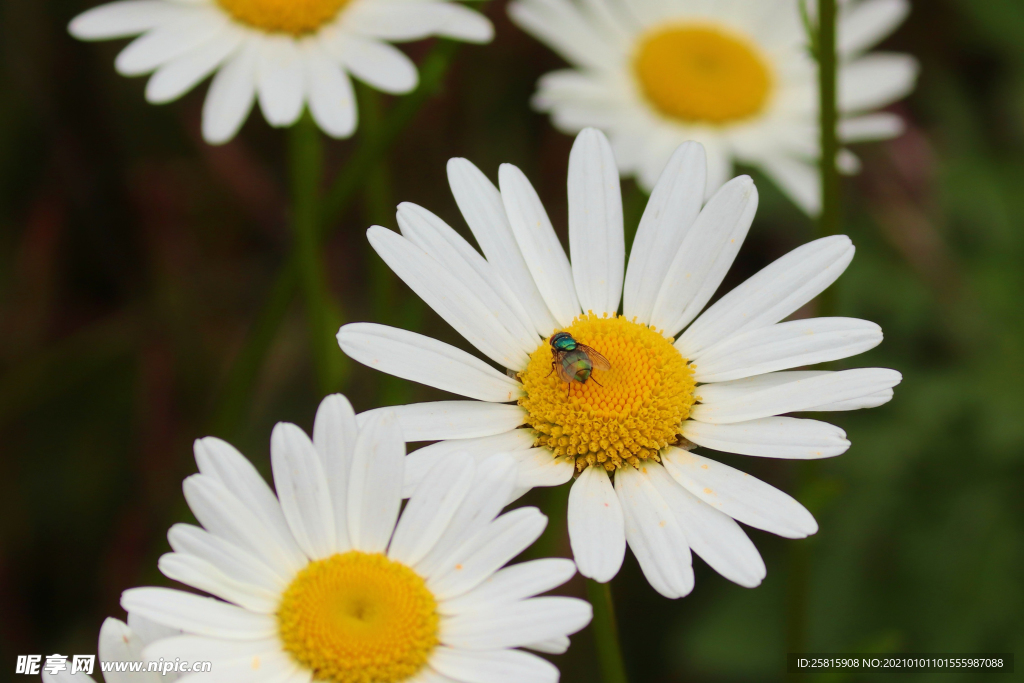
327	581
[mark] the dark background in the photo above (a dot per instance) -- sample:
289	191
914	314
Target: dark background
134	260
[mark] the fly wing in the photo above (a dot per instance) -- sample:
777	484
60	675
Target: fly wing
562	372
599	361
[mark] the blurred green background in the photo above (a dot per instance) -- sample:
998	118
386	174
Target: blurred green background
135	262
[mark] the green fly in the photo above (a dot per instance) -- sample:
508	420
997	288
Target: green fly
573	361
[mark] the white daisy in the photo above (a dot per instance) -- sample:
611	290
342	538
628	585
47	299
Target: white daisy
121	642
721	384
326	581
735	75
286	53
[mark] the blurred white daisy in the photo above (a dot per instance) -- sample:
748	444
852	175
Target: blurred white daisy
722	384
120	642
286	53
326	581
734	75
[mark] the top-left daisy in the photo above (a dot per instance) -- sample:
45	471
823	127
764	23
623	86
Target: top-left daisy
285	53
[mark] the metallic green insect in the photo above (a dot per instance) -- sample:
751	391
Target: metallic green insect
573	361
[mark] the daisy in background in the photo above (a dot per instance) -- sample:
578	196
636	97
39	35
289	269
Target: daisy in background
734	75
326	581
121	642
721	383
288	54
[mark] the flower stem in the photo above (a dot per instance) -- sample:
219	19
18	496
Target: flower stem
826	52
305	151
606	632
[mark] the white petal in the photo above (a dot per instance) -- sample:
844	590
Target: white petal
487	552
175	78
375	484
451	298
400	21
705	255
118	643
421	359
168	41
420	461
654	534
150	631
773	293
784	346
739	495
513	583
516	624
281	80
302	488
539	245
859	403
331	99
799	179
493	482
247	661
463	23
230	559
431	508
453	419
376	63
334	437
551	646
124	19
224	515
198	615
231	96
796	396
875	80
770	437
879	126
565	30
198	573
496	666
864	24
538	467
66	677
596	239
437	238
596	526
674	205
711	534
481	206
222	461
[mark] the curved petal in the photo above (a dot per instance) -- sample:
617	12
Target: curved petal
539	245
864	24
538	467
439	420
421	359
124	19
334	437
705	255
230	559
770	437
374	62
420	461
773	293
198	615
739	495
302	488
511	584
878	126
331	99
280	80
596	239
516	624
875	80
231	96
170	40
118	643
784	346
494	666
178	76
597	531
198	573
671	210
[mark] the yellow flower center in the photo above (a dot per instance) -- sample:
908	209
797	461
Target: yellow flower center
284	16
622	415
358	618
701	74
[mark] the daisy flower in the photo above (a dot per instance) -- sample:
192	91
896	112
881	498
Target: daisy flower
722	383
735	75
326	581
285	53
121	642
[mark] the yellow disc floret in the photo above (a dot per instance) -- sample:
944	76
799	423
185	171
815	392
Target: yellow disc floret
359	618
296	17
619	416
701	74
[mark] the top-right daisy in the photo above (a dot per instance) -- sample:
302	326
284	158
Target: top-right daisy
735	75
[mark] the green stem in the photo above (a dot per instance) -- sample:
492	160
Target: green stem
826	51
305	151
241	378
606	632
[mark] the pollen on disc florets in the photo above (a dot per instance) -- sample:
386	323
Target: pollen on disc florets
296	17
634	412
359	618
